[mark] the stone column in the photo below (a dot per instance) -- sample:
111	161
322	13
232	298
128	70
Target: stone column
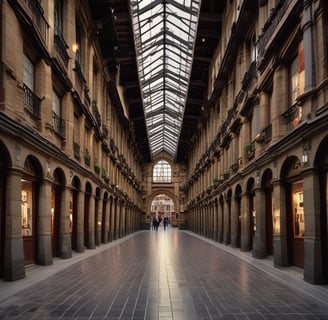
313	271
65	244
221	222
234	223
91	216
245	240
14	267
98	222
111	221
227	222
43	236
216	221
106	234
116	220
80	221
259	245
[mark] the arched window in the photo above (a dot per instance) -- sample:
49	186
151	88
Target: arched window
162	172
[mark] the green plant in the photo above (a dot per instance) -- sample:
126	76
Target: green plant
87	157
97	167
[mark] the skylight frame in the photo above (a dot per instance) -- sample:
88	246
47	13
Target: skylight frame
165	33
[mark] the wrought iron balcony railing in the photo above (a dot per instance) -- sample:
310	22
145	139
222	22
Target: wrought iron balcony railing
61	49
59	125
32	103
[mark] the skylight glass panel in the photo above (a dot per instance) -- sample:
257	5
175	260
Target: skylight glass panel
164	38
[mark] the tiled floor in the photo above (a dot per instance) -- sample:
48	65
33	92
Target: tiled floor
162	275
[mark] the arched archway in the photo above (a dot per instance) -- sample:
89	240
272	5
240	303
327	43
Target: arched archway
163	204
30	186
236	218
295	224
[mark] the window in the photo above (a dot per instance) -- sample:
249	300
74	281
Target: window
58	17
297	75
58	122
162	172
78	47
28	73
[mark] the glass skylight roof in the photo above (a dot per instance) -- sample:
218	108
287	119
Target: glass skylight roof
165	32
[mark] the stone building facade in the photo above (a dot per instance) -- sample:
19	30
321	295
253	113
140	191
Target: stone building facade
257	176
70	170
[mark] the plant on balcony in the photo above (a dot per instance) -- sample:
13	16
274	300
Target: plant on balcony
226	174
104	174
87	157
234	167
250	151
209	189
96	167
216	182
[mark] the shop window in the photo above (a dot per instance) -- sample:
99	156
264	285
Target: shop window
162	172
26	209
298	209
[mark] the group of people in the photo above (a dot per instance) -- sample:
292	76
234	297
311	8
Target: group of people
156	222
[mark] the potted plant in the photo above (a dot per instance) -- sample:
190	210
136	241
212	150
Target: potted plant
96	167
87	157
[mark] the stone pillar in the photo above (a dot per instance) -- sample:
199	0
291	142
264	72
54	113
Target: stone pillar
91	224
234	223
215	220
245	240
280	250
259	245
116	220
98	222
221	222
106	213
313	271
279	102
43	236
227	222
111	221
80	221
65	244
14	266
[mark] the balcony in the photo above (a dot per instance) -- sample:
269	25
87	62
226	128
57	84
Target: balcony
76	149
61	50
31	14
96	114
32	103
293	116
59	125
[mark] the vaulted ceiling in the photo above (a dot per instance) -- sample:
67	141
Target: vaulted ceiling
117	40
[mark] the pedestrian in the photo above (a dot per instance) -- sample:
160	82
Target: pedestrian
154	223
165	223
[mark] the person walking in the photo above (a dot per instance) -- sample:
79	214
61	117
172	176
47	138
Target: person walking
165	223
